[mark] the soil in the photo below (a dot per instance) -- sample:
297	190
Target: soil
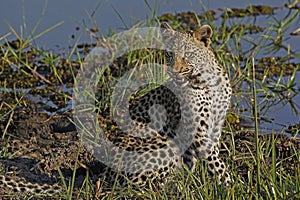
35	146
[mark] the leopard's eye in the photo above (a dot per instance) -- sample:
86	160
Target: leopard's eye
187	55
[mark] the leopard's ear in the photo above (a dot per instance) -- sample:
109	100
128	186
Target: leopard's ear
167	33
203	34
166	26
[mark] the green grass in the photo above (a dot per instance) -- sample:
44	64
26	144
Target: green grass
260	168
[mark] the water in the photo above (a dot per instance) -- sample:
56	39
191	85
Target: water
105	13
76	15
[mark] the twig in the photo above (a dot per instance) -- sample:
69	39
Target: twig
40	76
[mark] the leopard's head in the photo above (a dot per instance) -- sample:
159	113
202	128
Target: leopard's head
182	50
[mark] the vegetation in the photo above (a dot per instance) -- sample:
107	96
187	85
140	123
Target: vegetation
263	68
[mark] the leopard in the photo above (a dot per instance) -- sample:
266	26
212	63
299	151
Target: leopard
172	126
209	93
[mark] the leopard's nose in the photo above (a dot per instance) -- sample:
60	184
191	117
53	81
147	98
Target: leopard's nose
176	68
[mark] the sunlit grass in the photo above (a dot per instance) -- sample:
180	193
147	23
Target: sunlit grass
268	175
